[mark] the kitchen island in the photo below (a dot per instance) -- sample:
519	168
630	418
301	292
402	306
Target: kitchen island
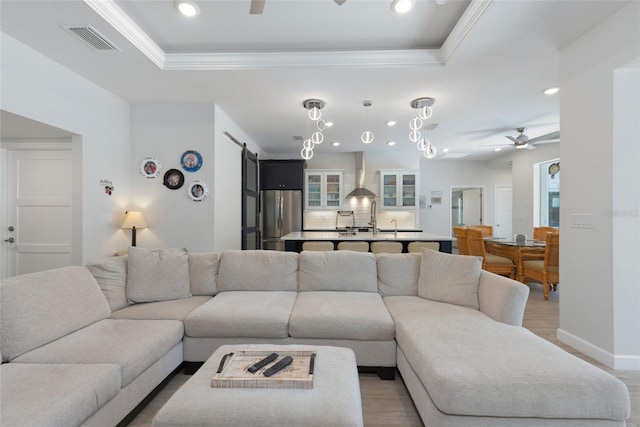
293	241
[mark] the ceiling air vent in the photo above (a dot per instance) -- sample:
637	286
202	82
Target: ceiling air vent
91	37
297	138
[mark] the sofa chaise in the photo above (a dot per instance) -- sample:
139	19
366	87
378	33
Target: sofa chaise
85	345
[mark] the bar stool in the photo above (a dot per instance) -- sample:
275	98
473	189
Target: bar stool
353	246
419	246
317	246
386	247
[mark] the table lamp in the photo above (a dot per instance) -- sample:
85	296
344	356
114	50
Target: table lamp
133	220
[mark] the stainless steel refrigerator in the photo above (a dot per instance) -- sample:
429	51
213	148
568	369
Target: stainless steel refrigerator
281	214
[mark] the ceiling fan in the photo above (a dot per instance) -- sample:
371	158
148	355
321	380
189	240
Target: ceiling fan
257	6
523	141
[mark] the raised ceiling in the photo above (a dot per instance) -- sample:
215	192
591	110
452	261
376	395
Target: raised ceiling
485	62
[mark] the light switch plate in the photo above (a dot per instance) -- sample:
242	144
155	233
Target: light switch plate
106	220
582	220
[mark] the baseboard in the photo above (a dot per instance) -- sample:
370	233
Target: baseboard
624	362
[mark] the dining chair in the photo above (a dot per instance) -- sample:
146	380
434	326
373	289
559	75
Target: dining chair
487	230
386	247
546	268
317	246
461	237
353	246
494	263
419	246
540	233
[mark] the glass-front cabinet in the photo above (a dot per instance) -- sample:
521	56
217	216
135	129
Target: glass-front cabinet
323	189
399	189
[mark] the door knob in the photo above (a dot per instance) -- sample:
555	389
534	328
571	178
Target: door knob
10	240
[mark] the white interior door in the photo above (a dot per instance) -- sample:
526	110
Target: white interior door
472	206
503	211
38	211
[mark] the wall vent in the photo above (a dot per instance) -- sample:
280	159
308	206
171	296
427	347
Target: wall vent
298	138
91	37
431	126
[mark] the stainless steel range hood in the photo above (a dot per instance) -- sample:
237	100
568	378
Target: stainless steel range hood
360	190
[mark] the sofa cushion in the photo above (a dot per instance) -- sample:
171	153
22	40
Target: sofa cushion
398	273
341	315
157	275
473	365
135	345
449	278
254	314
203	273
338	271
38	308
57	395
258	271
161	310
111	275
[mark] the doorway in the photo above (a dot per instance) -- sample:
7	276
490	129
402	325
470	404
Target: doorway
467	206
502	211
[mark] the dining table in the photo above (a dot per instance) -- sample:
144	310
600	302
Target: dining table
514	250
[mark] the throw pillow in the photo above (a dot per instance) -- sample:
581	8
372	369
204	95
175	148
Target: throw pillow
158	275
449	278
111	275
203	273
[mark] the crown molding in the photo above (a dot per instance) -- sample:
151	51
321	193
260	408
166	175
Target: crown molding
463	27
210	61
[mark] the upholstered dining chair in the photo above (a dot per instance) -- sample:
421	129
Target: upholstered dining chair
461	237
487	230
545	269
540	233
317	246
490	262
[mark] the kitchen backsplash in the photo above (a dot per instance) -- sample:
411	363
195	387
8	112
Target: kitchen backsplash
326	219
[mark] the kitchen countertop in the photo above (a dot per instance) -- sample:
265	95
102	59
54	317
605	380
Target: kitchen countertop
366	236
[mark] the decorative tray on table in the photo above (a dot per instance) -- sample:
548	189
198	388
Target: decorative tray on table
233	370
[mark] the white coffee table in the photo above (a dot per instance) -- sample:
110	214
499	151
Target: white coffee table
334	399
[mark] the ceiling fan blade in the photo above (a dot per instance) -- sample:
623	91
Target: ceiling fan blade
257	7
549	136
515	141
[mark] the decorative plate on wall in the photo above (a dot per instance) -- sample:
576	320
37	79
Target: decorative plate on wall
173	179
191	160
150	167
198	190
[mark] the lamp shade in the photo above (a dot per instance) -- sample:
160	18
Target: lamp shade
133	219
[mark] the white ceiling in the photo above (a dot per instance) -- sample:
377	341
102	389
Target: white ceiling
486	73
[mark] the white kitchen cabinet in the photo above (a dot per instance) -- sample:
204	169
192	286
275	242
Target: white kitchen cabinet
323	189
399	189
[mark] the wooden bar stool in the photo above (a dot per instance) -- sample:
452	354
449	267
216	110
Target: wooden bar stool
419	246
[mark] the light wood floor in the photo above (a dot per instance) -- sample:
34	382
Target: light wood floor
387	403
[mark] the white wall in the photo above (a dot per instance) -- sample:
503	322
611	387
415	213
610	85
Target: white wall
600	177
522	163
441	175
35	87
165	132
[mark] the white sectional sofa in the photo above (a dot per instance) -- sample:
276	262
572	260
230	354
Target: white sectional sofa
74	355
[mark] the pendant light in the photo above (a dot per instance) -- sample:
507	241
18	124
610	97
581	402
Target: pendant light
367	135
423	112
313	106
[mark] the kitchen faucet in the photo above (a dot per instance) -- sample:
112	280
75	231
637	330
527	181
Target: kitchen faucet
373	221
395	228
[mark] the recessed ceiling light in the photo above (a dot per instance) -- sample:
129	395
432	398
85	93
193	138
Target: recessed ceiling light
402	6
445	150
391	143
390	123
551	91
335	144
187	8
328	124
497	149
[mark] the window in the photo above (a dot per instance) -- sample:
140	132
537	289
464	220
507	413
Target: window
549	194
